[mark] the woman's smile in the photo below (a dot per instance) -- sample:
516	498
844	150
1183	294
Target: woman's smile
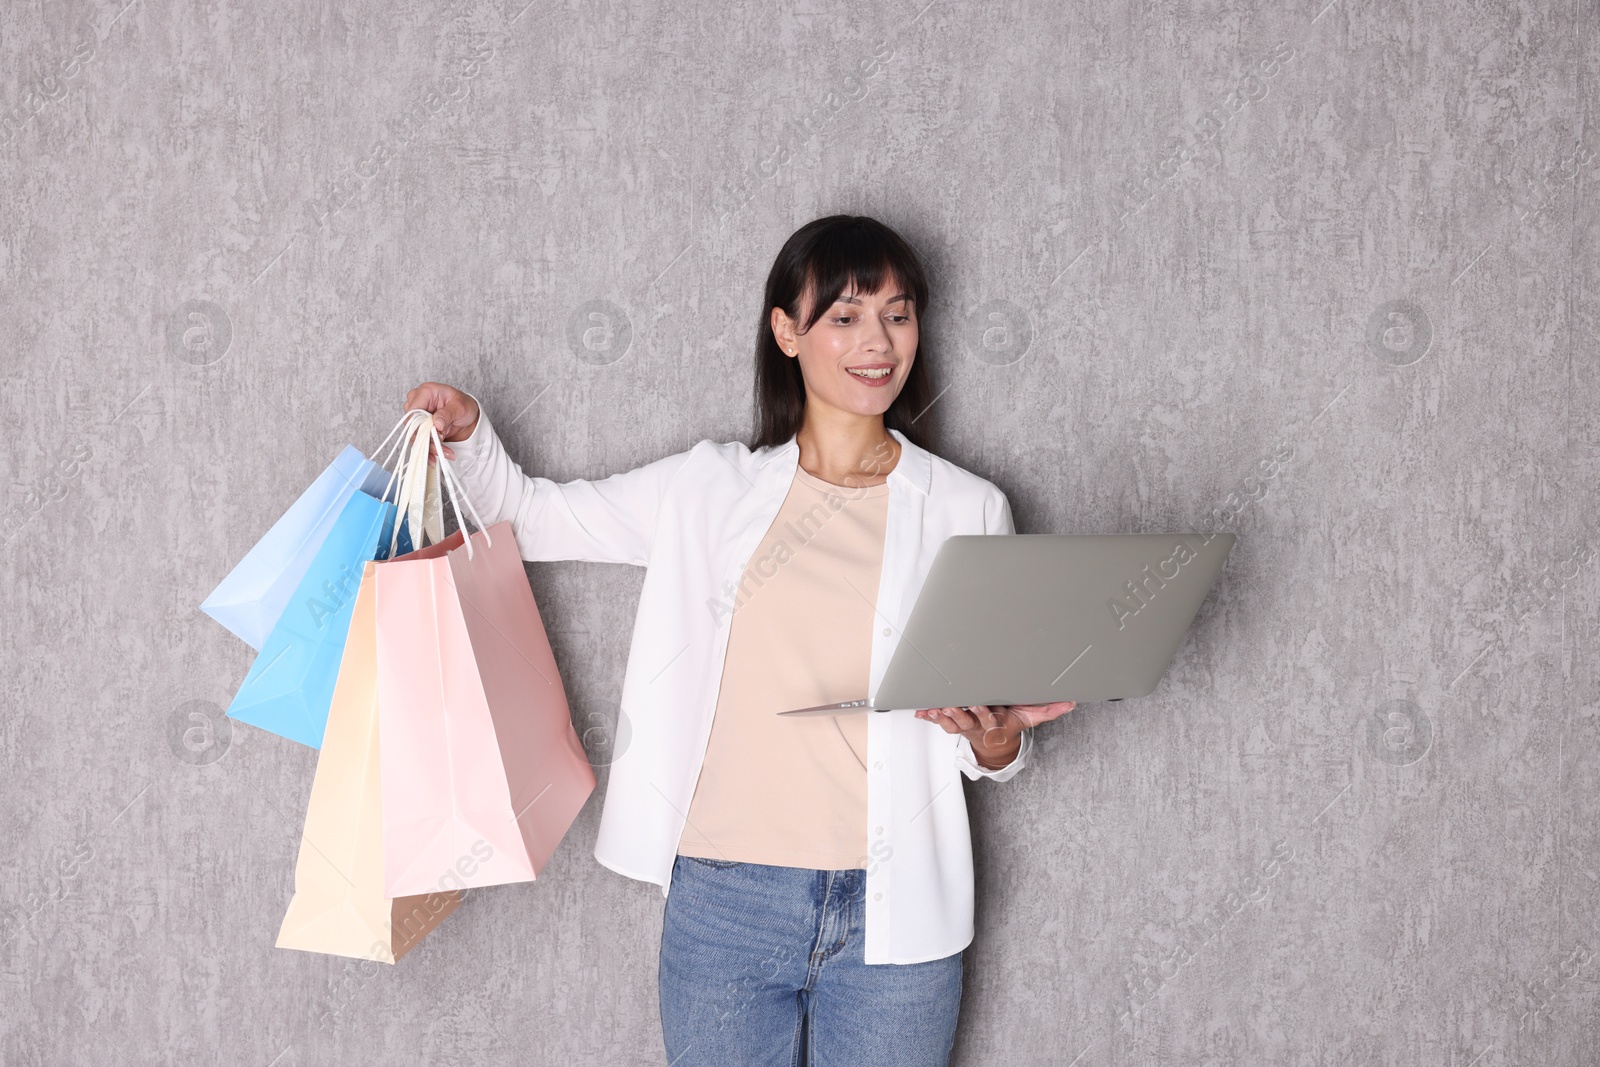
876	375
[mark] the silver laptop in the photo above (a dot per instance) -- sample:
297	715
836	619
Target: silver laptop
1036	618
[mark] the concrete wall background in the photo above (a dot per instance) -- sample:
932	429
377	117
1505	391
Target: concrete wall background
1377	259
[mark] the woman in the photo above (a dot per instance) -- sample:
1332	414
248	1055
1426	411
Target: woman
818	871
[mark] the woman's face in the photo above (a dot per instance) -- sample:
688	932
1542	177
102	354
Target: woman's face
857	355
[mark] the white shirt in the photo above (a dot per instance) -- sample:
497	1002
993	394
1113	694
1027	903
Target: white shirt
693	520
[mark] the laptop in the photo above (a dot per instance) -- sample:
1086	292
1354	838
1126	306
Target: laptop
1037	618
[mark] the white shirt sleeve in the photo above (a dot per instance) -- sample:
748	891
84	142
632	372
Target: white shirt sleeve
610	520
967	760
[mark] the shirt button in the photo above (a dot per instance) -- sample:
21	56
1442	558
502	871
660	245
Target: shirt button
886	631
877	896
877	764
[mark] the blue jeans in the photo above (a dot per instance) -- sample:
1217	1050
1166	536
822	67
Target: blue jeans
764	965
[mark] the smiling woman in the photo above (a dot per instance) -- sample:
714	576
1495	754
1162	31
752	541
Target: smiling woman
818	871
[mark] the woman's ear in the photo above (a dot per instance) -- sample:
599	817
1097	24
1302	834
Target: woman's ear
783	331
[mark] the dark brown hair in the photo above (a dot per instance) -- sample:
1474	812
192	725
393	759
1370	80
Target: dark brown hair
830	256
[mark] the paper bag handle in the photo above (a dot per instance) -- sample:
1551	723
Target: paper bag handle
412	464
399	489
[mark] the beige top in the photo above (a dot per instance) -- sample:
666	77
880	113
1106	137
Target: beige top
787	791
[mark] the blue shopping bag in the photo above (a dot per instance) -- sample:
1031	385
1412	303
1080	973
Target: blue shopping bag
250	599
290	685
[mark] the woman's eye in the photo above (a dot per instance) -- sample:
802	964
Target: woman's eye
845	320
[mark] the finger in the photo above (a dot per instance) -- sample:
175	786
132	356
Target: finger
938	717
964	719
446	404
455	417
426	397
991	714
1034	714
996	722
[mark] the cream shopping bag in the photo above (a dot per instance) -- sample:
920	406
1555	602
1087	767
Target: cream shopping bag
339	906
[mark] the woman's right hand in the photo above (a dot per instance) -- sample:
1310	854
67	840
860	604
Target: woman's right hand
455	414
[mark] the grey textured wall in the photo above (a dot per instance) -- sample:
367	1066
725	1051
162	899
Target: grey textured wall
1321	275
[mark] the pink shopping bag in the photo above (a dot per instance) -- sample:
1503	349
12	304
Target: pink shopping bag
481	770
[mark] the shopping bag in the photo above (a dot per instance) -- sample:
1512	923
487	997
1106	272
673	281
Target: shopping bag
252	596
339	906
482	771
289	686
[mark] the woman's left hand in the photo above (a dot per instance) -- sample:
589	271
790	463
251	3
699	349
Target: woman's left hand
995	730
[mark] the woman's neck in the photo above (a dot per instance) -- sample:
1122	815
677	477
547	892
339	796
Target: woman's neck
845	448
